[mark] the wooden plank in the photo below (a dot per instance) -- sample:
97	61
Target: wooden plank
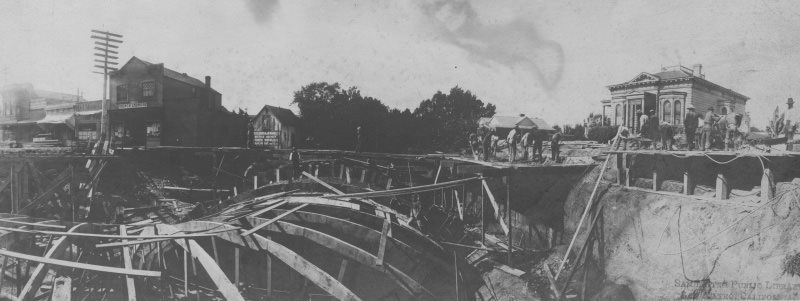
495	206
4	220
78	265
82	234
438	171
407	190
225	287
767	185
384	235
296	262
164	238
458	206
194	189
321	182
722	191
40	271
126	257
256	228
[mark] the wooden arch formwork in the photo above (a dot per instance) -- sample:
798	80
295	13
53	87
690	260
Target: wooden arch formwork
312	246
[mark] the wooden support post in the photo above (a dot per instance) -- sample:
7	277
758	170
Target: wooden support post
316	170
722	191
126	257
236	272
3	270
620	169
347	173
341	171
688	179
510	221
389	183
458	206
767	185
186	273
627	164
455	267
255	182
11	176
655	173
269	272
496	207
363	174
277	175
483	219
384	237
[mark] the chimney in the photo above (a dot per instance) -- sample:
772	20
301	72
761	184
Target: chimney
521	115
697	70
208	81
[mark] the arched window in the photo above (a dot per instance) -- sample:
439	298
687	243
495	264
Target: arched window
667	117
678	112
724	111
618	115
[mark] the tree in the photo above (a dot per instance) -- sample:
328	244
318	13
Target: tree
445	121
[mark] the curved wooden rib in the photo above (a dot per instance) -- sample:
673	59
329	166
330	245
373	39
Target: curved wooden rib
38	274
367	234
228	290
290	258
414	288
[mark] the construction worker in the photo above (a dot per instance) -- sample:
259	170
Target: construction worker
538	141
555	145
495	140
487	144
690	125
792	117
642	121
526	140
709	119
651	129
294	157
511	142
667	134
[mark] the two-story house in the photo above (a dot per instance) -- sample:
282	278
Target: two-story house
152	105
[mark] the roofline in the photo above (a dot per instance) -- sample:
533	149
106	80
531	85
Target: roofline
686	78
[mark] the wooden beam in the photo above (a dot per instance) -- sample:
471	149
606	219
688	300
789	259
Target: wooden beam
495	206
722	188
39	272
387	225
767	185
78	265
82	234
345	249
224	285
438	171
129	242
256	228
296	262
126	257
321	182
194	189
458	206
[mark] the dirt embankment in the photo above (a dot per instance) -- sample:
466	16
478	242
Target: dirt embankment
665	246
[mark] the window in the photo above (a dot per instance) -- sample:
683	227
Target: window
122	93
148	89
667	112
87	131
618	115
678	112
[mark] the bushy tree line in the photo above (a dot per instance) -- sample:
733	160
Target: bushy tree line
330	115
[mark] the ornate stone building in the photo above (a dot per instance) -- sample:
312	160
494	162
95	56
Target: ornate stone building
668	92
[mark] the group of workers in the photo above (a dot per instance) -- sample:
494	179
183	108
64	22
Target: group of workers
664	132
530	141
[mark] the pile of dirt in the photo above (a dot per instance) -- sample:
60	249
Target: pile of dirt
665	246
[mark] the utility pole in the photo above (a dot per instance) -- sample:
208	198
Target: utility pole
106	42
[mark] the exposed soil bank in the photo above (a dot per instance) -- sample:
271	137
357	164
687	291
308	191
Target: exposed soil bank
664	246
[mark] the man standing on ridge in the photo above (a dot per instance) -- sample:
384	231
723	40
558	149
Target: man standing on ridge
792	117
690	125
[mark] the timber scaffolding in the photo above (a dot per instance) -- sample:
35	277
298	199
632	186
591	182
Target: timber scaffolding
284	239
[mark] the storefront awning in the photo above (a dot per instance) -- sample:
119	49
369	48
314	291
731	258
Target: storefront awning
18	122
64	118
86	113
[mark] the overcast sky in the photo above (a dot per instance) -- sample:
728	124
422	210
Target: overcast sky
551	59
